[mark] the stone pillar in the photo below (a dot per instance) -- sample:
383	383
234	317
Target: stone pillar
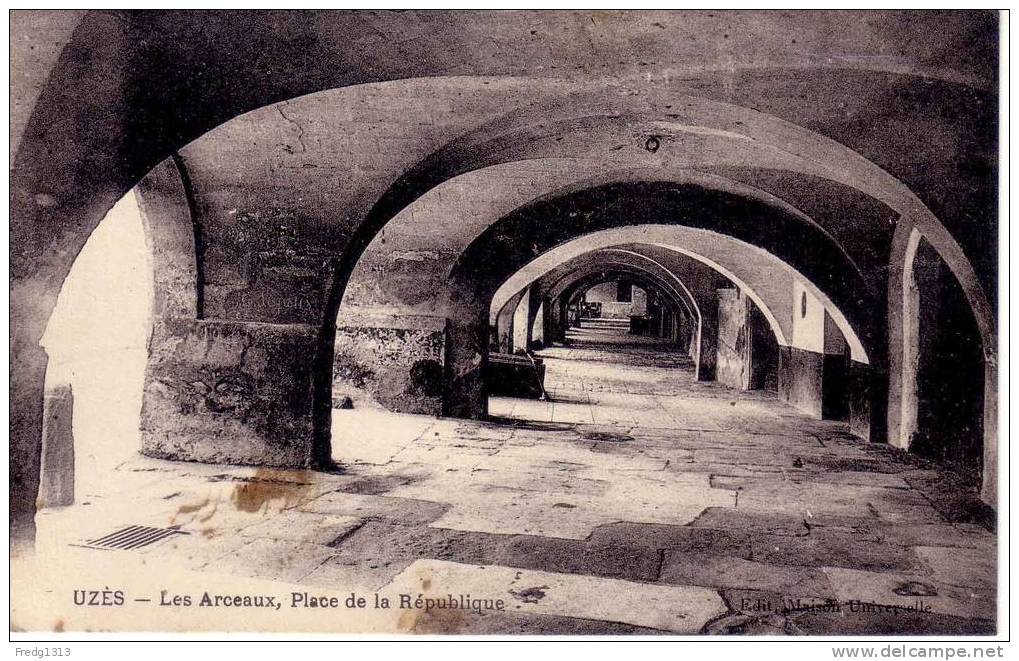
548	325
860	399
535	318
466	395
56	483
705	352
504	324
230	392
538	329
521	325
563	323
733	354
989	482
919	311
29	313
836	386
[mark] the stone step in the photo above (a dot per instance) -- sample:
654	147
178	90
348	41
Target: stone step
614	323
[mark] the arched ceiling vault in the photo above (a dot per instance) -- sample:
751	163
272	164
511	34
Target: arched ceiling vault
661	277
480	197
586	274
577	288
604	130
702	134
651	278
523	235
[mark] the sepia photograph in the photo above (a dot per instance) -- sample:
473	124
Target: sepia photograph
508	323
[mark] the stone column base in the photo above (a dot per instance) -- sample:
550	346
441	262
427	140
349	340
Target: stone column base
230	392
392	363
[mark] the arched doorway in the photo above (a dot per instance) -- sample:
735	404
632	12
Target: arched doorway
96	340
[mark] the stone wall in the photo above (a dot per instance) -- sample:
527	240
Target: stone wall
835	387
395	368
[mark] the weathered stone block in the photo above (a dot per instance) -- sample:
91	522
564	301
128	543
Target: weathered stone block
859	399
56	485
800	379
230	392
396	367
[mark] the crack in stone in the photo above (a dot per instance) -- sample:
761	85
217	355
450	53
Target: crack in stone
346	535
300	131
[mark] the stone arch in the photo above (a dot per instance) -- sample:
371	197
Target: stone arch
691	242
160	206
552	284
583	264
430	264
673	295
477	272
476	221
687	331
684	297
904	336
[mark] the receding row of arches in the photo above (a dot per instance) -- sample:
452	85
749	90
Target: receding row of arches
745	318
332	242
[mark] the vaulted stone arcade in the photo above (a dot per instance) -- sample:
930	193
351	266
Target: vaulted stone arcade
698	316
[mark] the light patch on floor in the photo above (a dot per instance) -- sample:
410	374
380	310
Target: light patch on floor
96	341
667	608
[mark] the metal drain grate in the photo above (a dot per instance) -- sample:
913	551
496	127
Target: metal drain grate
132	537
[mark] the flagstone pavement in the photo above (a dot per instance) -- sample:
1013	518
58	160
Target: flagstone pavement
632	500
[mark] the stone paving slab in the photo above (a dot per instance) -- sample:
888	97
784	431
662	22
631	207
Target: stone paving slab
726	518
522	514
678	609
834	549
629	561
275	559
896	505
853	478
372	436
955	500
679	539
362	575
727	572
975	568
910	590
406	510
303	527
934	534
